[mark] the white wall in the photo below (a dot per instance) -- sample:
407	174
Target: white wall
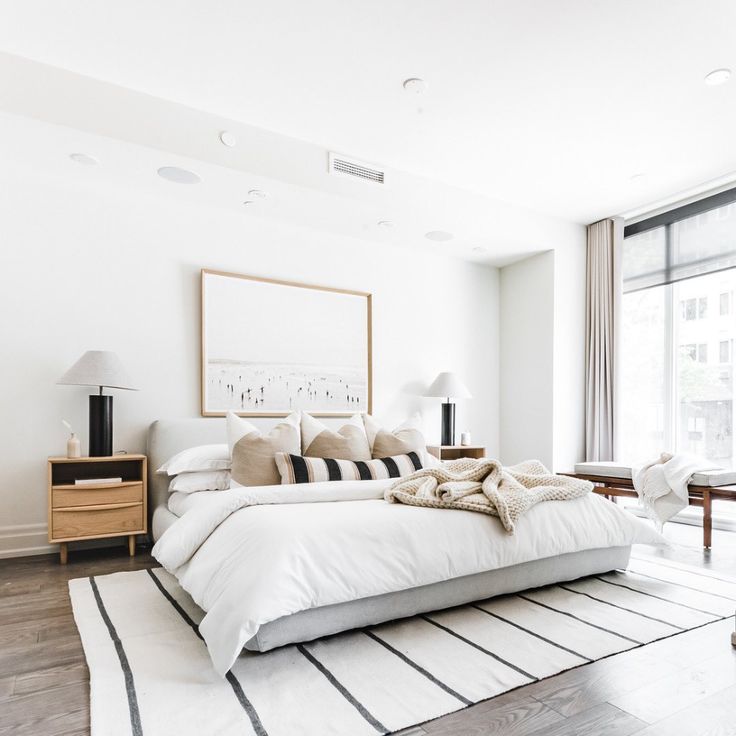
542	396
569	356
527	360
86	267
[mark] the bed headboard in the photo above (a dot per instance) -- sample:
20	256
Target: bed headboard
166	437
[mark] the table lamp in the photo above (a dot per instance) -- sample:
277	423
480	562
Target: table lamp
99	368
448	385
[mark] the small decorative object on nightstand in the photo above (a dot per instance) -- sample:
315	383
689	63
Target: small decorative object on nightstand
449	386
95	498
454	452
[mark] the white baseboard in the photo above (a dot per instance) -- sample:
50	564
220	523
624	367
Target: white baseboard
22	540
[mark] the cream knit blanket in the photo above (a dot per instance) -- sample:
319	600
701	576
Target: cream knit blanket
486	486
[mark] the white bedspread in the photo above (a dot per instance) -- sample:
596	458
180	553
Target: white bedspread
254	555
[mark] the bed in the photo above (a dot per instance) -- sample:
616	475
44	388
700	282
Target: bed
455	556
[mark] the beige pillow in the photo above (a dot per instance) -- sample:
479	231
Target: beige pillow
407	437
348	443
254	453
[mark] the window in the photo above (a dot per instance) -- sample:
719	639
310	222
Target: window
679	273
725	304
694	308
724	352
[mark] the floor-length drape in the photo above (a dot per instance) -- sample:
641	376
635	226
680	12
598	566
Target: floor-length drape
603	295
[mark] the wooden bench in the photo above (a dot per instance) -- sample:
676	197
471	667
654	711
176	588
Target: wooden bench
702	496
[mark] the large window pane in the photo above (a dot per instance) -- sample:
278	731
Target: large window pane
642	386
676	388
704	389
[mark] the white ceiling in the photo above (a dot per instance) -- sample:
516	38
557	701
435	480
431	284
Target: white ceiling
550	105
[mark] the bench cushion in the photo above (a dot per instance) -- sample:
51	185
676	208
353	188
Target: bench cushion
710	478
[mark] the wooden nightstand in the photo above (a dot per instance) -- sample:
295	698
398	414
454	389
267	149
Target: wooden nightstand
453	452
97	511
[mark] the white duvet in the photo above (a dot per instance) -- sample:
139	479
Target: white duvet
253	555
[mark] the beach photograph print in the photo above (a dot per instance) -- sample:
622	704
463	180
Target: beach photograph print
270	347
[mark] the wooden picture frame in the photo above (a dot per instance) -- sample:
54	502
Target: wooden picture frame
319	339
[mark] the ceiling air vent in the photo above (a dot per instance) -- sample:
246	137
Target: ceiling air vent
343	166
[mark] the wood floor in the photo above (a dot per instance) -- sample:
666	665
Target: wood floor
682	686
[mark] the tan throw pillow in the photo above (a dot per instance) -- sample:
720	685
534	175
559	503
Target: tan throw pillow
348	443
253	453
406	438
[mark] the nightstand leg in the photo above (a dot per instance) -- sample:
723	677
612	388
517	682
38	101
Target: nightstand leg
62	553
131	545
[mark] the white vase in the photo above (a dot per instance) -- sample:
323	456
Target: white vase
73	446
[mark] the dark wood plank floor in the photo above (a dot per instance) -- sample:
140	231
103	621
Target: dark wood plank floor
682	686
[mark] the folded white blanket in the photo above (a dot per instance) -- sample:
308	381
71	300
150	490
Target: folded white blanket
662	484
486	486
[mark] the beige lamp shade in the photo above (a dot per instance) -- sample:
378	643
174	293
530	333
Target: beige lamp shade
448	385
98	368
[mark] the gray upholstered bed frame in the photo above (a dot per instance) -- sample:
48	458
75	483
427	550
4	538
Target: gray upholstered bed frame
167	437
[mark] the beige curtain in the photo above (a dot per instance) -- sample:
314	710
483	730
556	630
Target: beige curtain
603	295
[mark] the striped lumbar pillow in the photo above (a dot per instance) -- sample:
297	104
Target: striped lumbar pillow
299	469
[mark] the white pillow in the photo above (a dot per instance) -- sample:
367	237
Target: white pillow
194	459
201	480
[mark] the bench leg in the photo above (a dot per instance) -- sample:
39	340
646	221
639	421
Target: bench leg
707	520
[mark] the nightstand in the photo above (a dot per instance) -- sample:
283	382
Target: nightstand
454	452
97	510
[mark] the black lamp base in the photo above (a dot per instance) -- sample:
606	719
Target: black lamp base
100	426
448	424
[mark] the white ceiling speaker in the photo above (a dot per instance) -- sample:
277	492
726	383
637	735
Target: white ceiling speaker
415	86
717	76
257	194
84	158
227	139
439	236
178	176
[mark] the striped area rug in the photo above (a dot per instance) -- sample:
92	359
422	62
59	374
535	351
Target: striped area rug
151	674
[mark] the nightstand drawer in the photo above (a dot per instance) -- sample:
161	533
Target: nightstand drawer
96	495
96	522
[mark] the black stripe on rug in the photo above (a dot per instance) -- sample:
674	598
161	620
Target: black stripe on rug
533	633
622	608
681	585
135	716
343	691
659	597
230	677
479	648
418	668
582	620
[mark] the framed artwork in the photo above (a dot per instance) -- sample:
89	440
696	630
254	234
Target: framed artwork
270	347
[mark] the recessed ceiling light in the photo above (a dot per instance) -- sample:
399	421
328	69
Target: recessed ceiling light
248	201
717	76
179	176
84	158
439	236
257	194
480	249
637	177
415	86
385	223
227	139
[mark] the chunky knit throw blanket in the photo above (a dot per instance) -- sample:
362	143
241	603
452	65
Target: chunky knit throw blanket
486	486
